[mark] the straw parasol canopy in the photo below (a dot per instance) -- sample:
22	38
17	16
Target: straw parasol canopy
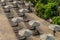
47	37
25	32
34	23
29	4
23	10
8	6
9	15
3	0
17	19
20	1
54	27
14	2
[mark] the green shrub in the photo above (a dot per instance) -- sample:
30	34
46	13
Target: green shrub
56	20
39	9
46	11
50	11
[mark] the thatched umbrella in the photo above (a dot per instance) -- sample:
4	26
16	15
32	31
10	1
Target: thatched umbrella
15	3
7	8
29	5
47	37
21	1
54	28
17	19
13	24
3	2
23	11
25	33
9	15
34	24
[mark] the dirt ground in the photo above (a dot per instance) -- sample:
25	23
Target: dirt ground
7	33
43	25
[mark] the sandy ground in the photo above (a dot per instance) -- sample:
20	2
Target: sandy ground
6	32
43	25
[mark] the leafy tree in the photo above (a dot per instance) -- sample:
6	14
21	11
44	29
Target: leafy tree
56	20
50	11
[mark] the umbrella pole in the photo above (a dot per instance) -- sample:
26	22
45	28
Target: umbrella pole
25	38
3	4
29	8
36	32
33	28
17	24
24	15
54	32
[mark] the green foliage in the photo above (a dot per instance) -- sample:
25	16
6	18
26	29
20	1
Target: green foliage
50	10
46	11
39	9
49	1
43	1
56	20
56	1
